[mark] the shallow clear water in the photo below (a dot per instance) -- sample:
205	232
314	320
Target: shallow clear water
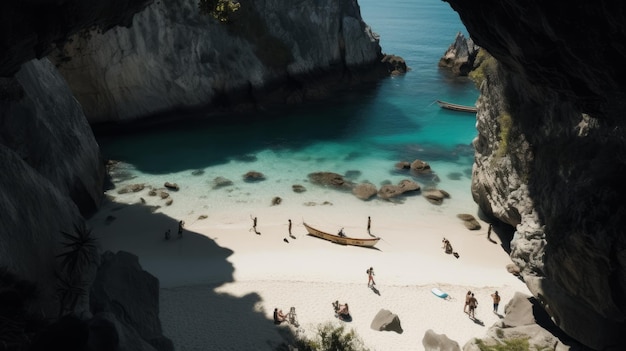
366	131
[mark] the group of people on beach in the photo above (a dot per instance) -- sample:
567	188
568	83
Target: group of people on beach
471	303
168	232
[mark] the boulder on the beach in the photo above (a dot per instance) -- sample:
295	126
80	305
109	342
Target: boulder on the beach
364	191
389	191
420	166
408	185
386	321
519	311
439	342
466	217
435	196
164	194
469	221
253	176
297	188
169	202
131	188
171	186
276	201
220	182
403	165
330	179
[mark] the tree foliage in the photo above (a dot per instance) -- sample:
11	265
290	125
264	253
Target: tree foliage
81	249
221	10
332	338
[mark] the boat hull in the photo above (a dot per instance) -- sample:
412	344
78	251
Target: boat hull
456	107
341	240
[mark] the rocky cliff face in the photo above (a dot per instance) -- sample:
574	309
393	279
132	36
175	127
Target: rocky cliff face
273	51
549	154
50	169
32	28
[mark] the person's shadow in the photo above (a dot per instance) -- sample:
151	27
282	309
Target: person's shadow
477	321
376	291
499	315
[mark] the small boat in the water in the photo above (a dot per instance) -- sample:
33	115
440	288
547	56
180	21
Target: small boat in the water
456	107
343	240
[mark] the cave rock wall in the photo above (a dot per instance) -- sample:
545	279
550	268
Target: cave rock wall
549	154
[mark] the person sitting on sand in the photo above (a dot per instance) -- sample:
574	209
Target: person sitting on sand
341	310
447	246
341	233
279	317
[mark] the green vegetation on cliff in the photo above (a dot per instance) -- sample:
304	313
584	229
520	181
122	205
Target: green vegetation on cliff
219	9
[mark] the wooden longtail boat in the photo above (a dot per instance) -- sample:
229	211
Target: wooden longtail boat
369	242
455	107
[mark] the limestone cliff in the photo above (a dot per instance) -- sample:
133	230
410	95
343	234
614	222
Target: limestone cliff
51	166
549	154
32	28
273	51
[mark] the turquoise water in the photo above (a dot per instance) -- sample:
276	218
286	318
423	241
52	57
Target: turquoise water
367	131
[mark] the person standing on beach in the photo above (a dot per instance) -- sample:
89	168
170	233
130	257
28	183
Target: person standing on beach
473	303
489	231
467	298
180	228
369	224
370	277
254	225
496	301
290	227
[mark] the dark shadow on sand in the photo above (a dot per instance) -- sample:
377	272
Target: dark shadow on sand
189	304
376	291
477	321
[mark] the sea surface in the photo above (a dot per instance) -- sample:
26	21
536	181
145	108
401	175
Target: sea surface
361	134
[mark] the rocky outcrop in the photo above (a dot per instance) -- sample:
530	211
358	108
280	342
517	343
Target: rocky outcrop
33	28
460	56
549	153
438	342
523	320
44	126
125	294
51	172
385	320
272	52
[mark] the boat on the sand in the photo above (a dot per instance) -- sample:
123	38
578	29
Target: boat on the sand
343	240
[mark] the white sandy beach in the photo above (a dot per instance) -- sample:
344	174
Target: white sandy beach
220	282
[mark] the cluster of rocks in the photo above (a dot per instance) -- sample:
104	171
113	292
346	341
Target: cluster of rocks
364	190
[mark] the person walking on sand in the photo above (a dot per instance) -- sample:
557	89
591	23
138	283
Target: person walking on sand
369	225
489	231
473	303
496	301
370	277
254	225
180	228
467	298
